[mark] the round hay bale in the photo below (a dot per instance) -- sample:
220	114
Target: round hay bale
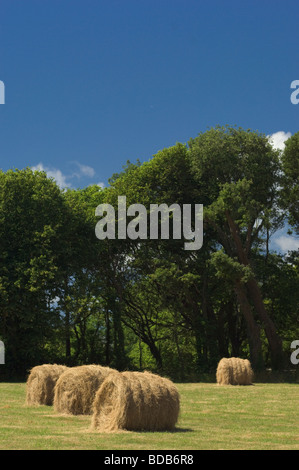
234	371
76	388
41	382
136	401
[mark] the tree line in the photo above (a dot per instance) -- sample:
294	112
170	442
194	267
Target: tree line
67	297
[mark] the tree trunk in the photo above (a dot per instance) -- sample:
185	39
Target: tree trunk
233	331
180	358
222	340
67	337
140	353
149	341
274	340
119	340
107	345
253	329
119	347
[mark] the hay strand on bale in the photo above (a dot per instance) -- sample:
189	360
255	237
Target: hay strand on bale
41	382
234	371
136	401
76	388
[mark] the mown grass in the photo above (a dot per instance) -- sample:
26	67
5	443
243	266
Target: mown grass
261	416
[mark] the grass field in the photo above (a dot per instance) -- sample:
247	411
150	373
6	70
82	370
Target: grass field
261	416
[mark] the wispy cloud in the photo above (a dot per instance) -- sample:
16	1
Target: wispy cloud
66	180
85	170
54	173
287	243
278	139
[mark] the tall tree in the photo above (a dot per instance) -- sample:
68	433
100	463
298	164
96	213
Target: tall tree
32	215
290	190
237	173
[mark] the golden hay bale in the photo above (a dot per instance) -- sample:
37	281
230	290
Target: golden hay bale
234	371
136	401
76	388
41	382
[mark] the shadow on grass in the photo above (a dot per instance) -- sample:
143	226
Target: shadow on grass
177	430
174	431
284	376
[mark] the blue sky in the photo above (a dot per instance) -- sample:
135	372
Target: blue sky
90	84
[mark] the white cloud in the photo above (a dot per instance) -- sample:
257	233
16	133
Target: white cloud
85	170
65	181
277	140
55	173
286	243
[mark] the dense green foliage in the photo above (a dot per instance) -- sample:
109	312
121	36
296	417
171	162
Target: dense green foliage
66	296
